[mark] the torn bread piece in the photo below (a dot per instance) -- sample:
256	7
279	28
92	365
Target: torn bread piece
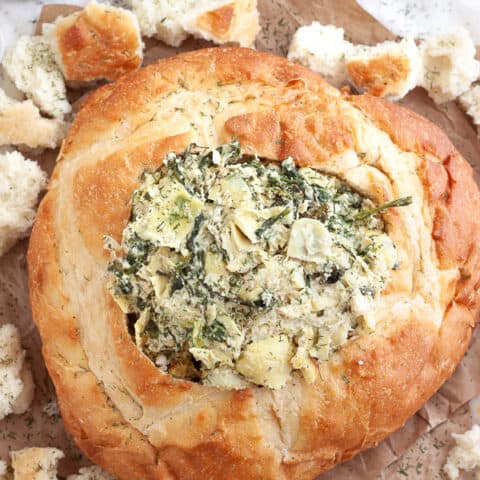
22	124
449	65
466	453
389	69
444	65
98	42
470	101
219	21
91	473
160	21
234	22
31	65
323	49
16	382
36	463
21	181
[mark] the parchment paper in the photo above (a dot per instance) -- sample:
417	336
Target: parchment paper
419	449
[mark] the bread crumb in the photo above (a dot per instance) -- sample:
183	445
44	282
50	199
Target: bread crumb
22	124
31	65
51	409
36	463
21	181
16	382
107	43
449	65
465	455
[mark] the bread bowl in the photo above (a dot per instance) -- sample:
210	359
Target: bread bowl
140	422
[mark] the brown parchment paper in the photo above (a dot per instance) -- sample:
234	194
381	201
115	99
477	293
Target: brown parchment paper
419	449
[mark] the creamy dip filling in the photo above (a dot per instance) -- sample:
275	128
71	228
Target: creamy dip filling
235	270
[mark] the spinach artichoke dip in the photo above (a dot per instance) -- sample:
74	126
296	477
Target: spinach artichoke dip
236	271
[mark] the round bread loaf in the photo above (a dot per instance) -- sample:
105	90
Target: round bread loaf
139	422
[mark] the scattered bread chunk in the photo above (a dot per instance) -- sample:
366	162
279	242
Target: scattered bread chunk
99	42
16	382
449	65
220	21
21	181
465	455
36	463
31	65
470	101
22	124
160	21
234	22
91	473
323	49
389	69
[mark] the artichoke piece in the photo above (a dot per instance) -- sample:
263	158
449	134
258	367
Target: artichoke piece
168	223
231	191
267	362
139	327
211	358
160	284
242	254
309	241
164	260
304	344
247	221
214	265
125	303
340	335
235	336
240	239
254	223
249	294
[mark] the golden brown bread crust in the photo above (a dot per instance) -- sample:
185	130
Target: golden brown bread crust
378	75
138	422
99	42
